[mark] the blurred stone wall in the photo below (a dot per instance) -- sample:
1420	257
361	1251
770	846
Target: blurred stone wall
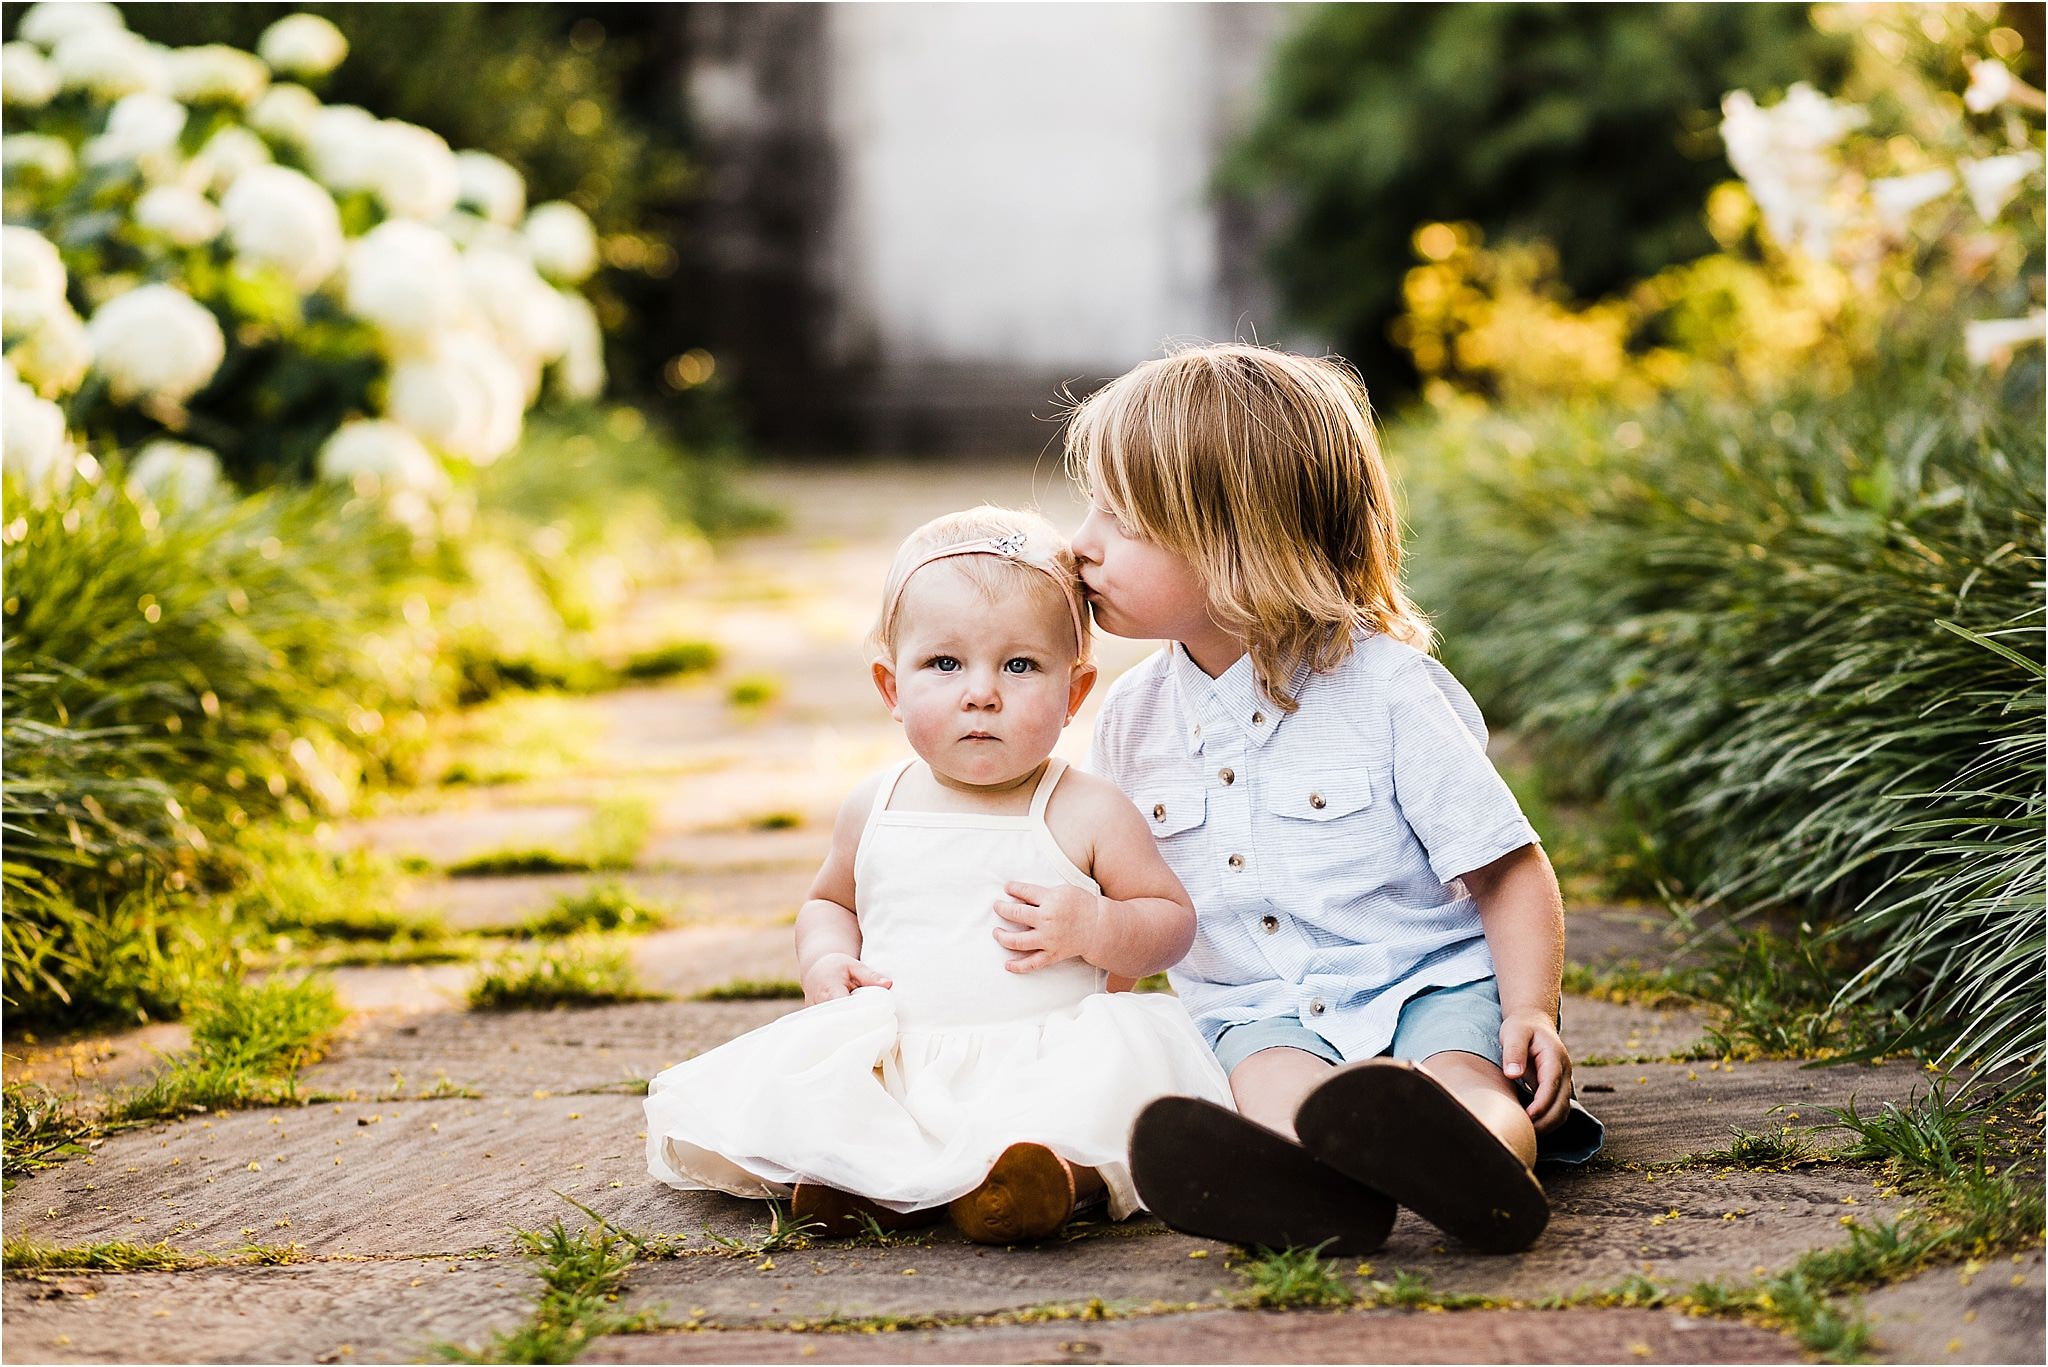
919	221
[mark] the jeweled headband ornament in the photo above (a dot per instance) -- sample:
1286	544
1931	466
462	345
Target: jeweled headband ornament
1010	548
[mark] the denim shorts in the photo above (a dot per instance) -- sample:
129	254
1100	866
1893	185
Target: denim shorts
1465	1017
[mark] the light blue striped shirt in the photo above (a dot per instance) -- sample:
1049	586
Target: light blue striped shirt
1323	847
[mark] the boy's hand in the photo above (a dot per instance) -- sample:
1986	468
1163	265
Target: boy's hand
1059	923
837	975
1532	1052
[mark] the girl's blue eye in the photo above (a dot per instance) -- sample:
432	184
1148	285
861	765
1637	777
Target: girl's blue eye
1020	665
945	664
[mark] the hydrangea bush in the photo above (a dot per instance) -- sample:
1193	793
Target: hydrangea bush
199	251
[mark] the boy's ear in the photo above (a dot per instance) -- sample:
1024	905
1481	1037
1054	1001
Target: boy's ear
884	672
1079	685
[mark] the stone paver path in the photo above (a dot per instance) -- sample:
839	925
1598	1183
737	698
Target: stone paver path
401	1205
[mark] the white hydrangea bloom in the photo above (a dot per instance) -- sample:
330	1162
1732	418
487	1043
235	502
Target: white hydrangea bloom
33	442
1989	339
1785	155
27	80
302	45
228	153
342	146
50	24
177	472
1993	181
38	154
216	74
1990	83
563	243
29	263
185	216
491	186
522	311
1896	197
108	63
464	397
406	279
155	342
46	342
286	113
383	450
143	127
279	218
580	374
415	173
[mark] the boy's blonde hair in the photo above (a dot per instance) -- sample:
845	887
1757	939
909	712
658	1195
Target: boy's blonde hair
1263	469
1056	575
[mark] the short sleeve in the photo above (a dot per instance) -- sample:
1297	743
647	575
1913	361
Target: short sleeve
1448	790
1098	760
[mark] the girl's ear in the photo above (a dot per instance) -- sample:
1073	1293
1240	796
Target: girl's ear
884	672
1079	685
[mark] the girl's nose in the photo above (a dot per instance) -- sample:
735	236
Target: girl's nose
979	689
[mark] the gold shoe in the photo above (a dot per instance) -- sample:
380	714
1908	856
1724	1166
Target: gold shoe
839	1212
1027	1195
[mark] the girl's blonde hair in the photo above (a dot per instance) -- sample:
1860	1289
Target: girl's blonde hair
1052	572
1263	469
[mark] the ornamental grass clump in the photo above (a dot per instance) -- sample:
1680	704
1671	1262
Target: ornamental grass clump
1799	643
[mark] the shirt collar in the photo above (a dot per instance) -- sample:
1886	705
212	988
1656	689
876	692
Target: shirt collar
1236	694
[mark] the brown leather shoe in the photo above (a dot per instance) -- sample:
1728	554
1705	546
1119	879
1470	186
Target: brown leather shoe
839	1212
1028	1194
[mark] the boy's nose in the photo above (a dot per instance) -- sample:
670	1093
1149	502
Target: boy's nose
1085	544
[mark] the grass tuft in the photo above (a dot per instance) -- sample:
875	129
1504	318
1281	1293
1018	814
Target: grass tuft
22	1255
1278	1279
248	1044
581	1274
752	990
667	661
612	840
601	908
581	972
38	1130
754	691
1762	1150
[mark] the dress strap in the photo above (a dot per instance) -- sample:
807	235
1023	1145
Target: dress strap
1055	769
886	791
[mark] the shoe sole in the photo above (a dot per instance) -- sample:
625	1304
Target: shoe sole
1389	1124
1206	1170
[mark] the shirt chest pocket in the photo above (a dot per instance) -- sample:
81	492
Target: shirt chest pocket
1172	809
1321	800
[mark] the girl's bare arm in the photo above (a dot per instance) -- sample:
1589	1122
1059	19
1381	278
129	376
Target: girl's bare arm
828	939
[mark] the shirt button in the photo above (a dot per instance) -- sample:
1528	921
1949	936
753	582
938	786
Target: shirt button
1269	924
1258	719
1316	801
1236	861
1159	811
1226	776
1315	1008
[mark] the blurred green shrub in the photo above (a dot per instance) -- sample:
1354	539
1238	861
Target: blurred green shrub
1588	126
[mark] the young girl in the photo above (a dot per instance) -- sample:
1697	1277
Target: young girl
1369	892
958	1050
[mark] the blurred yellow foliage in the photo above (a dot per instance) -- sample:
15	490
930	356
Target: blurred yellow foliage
1498	322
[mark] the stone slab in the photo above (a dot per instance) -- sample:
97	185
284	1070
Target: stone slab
459	832
371	1179
1596	1029
1655	1112
731	852
1250	1336
476	903
1607	1225
516	1053
93	1065
1988	1312
312	1312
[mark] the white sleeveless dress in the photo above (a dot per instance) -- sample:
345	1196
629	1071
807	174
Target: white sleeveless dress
906	1094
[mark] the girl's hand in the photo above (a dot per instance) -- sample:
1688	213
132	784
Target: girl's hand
837	975
1529	1042
1059	923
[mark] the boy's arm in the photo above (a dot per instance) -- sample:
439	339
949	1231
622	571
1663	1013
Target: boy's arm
827	931
1142	922
1523	912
